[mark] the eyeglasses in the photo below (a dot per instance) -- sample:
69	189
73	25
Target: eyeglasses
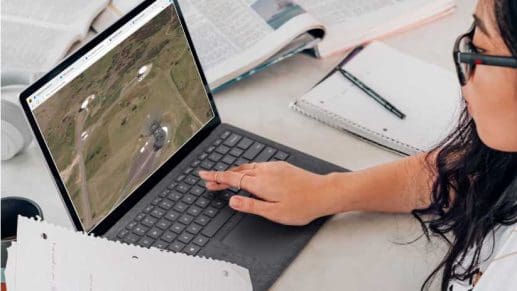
466	57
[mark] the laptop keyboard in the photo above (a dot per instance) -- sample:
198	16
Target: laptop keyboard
184	216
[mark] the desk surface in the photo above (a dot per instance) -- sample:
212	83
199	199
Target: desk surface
353	251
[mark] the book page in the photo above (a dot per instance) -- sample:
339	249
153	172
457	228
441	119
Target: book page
22	54
115	10
37	34
353	22
232	37
338	12
53	12
222	28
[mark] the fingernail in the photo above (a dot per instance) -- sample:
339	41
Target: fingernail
235	202
202	174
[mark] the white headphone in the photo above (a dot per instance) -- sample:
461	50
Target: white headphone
16	135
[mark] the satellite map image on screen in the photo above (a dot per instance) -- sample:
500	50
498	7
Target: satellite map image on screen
116	123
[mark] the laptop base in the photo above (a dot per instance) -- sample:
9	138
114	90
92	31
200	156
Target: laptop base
264	247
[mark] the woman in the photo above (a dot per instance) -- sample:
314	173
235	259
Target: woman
463	187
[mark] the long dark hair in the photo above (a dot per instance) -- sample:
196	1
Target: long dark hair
470	197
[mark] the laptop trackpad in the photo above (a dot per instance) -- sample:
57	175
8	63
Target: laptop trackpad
258	237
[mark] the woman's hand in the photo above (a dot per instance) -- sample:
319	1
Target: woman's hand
281	192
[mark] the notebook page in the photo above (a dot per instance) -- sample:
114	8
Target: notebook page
427	94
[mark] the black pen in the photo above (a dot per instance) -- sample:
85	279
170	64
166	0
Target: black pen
371	93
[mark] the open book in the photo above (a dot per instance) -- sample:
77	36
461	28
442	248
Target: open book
235	39
36	35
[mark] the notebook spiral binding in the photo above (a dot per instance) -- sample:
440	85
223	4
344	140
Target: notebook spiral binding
331	119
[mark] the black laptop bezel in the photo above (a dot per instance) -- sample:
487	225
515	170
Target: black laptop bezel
141	191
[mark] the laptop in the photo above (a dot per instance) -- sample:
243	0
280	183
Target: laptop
125	124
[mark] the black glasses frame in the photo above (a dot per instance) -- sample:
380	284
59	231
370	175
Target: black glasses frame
473	59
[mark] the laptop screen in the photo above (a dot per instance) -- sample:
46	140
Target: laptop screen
117	114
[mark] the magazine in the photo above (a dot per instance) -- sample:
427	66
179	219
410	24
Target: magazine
236	39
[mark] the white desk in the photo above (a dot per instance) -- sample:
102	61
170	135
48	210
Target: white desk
355	251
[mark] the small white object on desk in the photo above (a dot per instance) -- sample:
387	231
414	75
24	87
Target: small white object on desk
16	135
51	258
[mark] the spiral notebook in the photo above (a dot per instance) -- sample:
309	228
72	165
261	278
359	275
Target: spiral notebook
429	96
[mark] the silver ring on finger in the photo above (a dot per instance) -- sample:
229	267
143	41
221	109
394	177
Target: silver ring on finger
240	180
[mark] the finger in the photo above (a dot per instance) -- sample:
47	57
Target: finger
210	176
247	166
215	176
213	186
234	179
251	205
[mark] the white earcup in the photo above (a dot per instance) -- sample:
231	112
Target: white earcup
16	135
12	140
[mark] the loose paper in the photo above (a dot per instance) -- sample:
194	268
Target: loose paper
51	258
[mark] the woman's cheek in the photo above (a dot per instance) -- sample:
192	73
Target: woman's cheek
490	95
